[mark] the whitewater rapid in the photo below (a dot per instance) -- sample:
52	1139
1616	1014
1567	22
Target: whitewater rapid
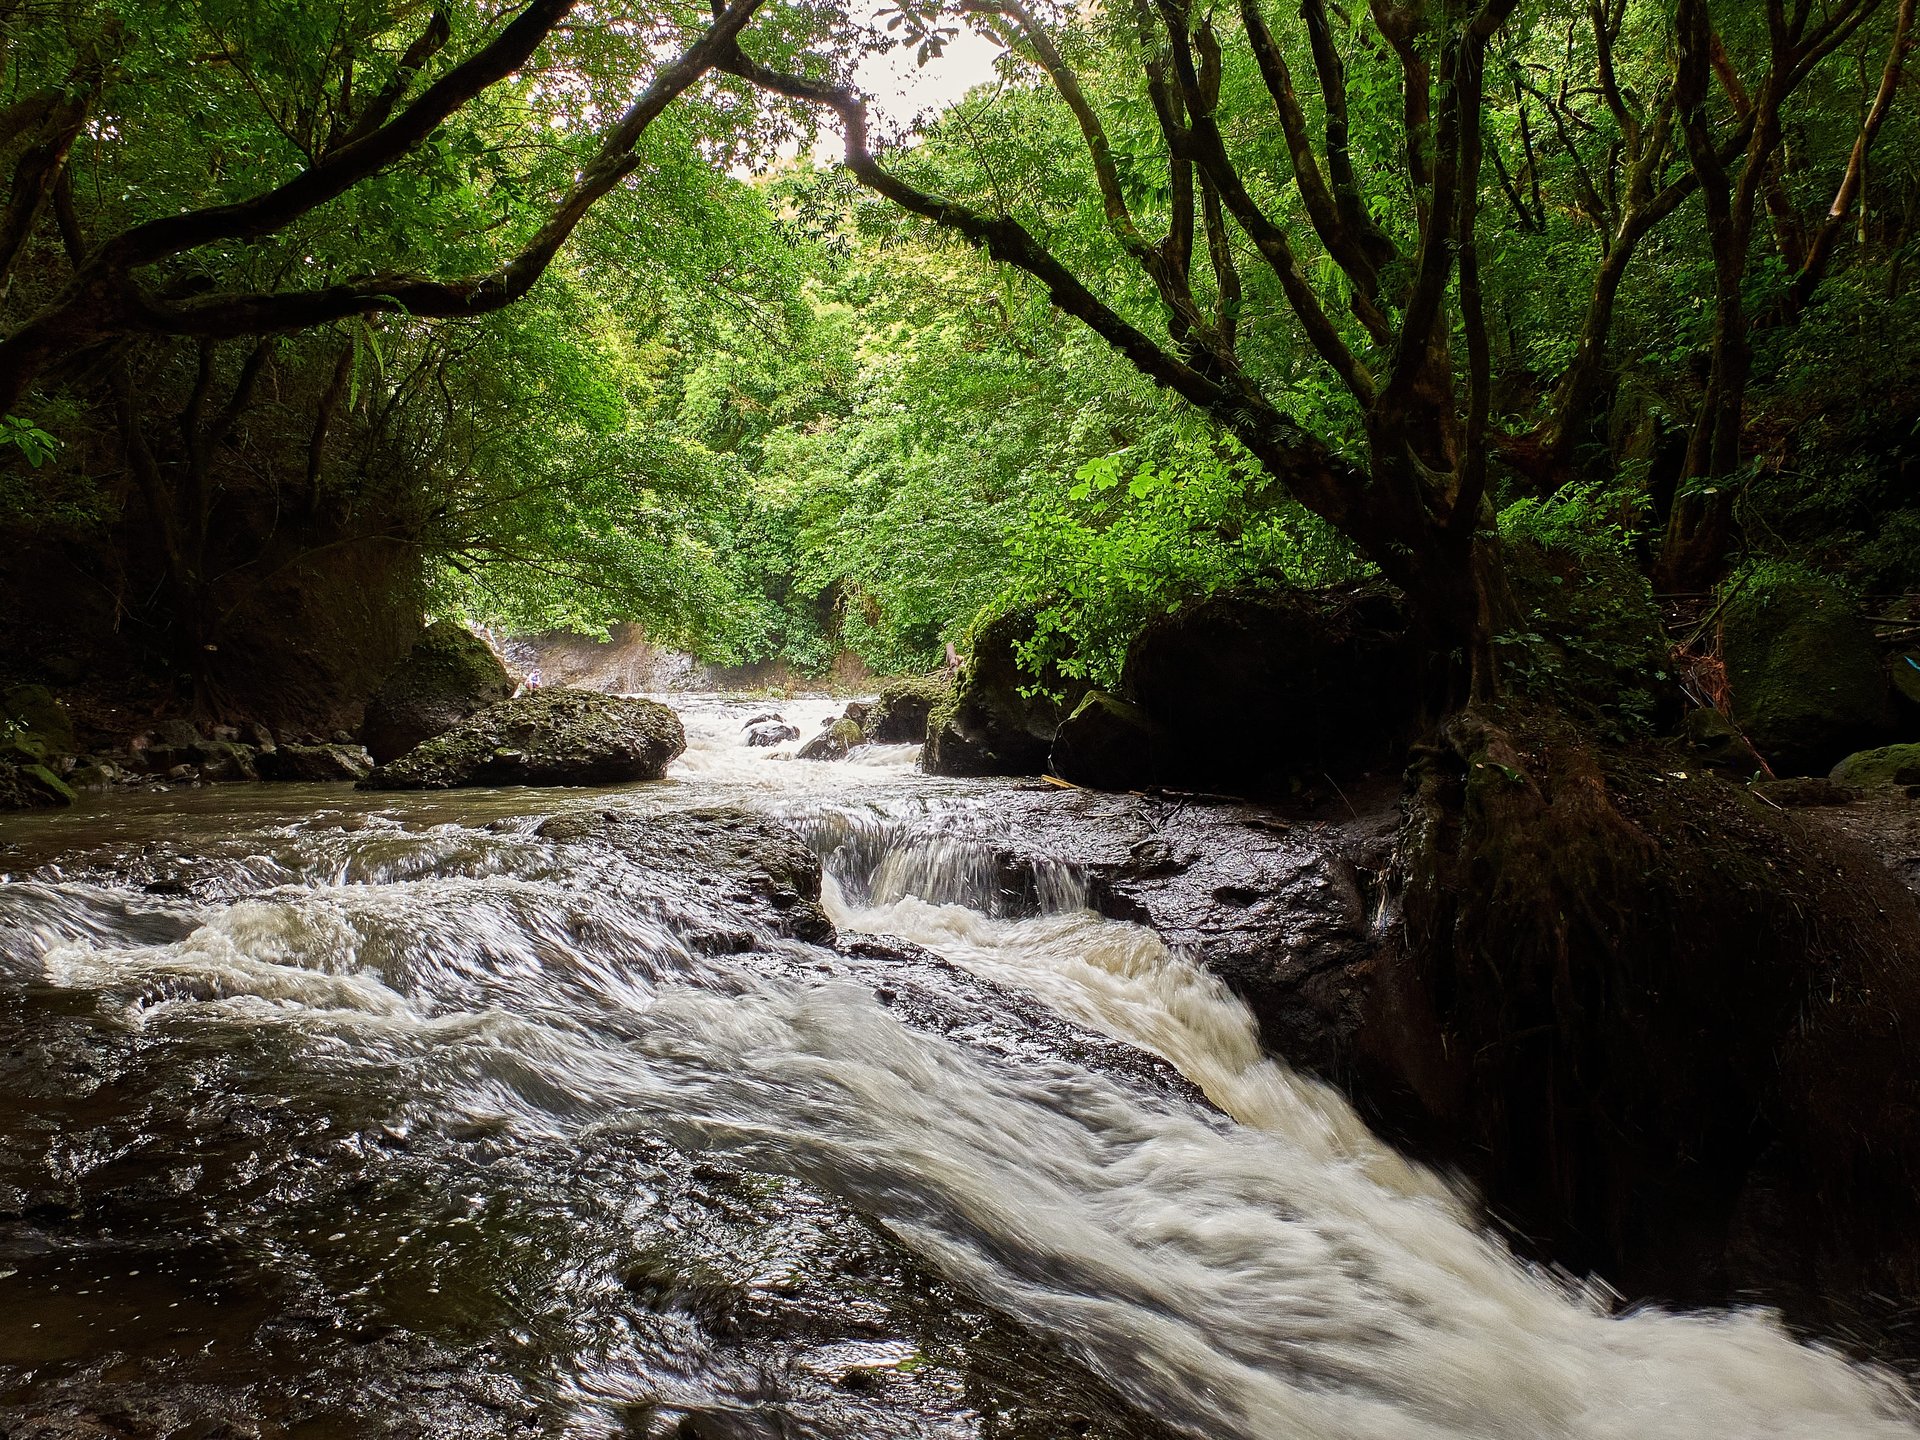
1255	1267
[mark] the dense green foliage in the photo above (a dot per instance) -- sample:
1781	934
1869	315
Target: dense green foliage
770	414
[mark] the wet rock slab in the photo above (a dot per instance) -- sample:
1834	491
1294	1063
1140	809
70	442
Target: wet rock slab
249	1222
194	1232
550	737
1287	905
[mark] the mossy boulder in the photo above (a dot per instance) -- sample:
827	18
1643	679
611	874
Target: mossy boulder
314	764
450	674
1257	685
36	735
989	724
834	742
550	737
1872	769
33	710
899	716
32	786
1108	744
1807	680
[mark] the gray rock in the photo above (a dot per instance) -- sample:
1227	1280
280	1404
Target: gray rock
314	763
772	732
225	760
550	737
834	742
450	674
94	775
178	733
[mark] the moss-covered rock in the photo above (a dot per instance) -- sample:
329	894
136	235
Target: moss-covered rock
32	786
899	716
450	674
314	764
1889	765
1256	686
36	736
834	742
550	737
1807	680
1108	744
33	710
988	725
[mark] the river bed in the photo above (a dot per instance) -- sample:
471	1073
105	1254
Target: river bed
567	1113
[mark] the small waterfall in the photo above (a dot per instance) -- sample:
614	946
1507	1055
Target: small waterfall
877	859
1265	1271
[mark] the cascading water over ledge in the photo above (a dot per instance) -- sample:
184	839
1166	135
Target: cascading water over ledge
561	1112
940	858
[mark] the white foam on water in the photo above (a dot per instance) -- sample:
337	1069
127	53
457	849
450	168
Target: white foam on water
1279	1275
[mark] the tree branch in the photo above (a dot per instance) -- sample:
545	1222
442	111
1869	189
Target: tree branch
1820	254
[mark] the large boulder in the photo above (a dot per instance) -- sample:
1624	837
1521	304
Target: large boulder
314	764
450	674
1889	765
1255	686
31	786
1665	1024
899	716
1807	680
36	737
834	742
32	710
989	725
550	737
1107	744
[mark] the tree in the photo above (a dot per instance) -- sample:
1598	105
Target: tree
1699	529
1360	242
346	132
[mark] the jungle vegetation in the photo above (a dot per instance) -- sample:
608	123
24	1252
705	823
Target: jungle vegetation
593	313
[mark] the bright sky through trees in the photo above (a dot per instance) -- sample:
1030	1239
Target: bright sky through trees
901	89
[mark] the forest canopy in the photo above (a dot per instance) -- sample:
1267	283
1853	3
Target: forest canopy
573	315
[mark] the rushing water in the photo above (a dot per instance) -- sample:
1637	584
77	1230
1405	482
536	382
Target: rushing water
346	1114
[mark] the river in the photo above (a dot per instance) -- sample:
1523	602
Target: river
563	1113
